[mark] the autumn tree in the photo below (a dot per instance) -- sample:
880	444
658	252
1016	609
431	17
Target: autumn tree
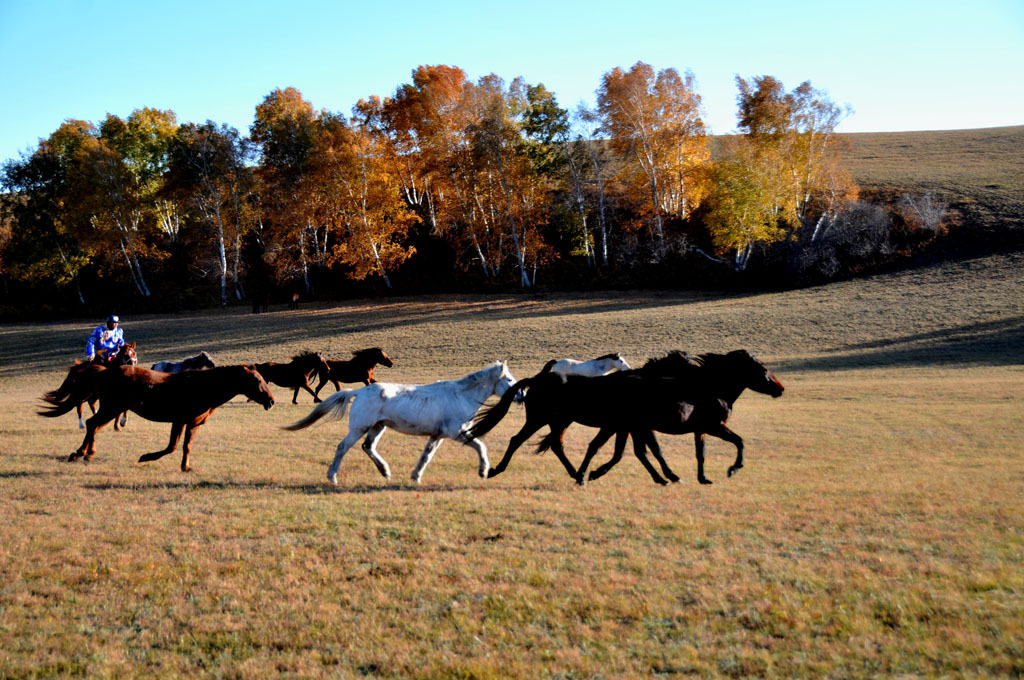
359	176
209	173
784	165
44	247
654	120
285	127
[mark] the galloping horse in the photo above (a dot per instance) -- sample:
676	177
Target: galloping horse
671	395
125	356
439	411
602	365
714	383
186	400
196	363
357	369
296	373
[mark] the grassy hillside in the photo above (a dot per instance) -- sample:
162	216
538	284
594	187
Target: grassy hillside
875	530
979	172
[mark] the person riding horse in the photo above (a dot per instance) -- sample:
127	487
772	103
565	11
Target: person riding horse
105	340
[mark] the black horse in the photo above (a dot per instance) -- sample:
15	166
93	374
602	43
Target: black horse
676	394
357	369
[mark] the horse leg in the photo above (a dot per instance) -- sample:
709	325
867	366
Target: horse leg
88	448
351	438
428	452
517	440
316	399
639	450
595	445
620	447
186	446
124	418
81	423
559	451
295	397
370	447
698	441
176	430
723	432
481	452
655	449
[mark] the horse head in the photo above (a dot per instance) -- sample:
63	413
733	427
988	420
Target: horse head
755	374
204	360
615	362
503	378
255	387
382	358
126	356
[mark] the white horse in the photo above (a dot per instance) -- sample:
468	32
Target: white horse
593	368
439	410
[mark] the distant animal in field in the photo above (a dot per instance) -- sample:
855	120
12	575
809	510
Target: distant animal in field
186	400
198	362
295	373
294	304
357	369
125	356
677	394
438	411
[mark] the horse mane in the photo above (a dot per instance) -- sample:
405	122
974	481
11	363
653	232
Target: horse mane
359	353
678	360
613	355
307	355
478	377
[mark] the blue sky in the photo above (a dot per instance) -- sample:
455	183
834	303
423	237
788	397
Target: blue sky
900	65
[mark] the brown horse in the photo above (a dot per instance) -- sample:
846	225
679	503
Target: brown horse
357	369
125	356
677	394
296	373
186	400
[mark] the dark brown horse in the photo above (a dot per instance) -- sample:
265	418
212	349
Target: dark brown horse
296	373
711	384
357	369
676	394
125	356
186	400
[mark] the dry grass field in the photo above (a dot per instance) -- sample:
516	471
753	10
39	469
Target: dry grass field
977	172
876	529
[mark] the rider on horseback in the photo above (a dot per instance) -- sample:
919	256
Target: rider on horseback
105	340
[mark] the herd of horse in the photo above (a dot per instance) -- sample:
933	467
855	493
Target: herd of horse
679	393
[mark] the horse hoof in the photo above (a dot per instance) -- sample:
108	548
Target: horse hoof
73	457
186	468
674	479
333	479
581	482
734	469
493	472
705	480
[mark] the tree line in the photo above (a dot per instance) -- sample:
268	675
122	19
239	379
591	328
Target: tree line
447	183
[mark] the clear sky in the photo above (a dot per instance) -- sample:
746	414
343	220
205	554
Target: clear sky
901	65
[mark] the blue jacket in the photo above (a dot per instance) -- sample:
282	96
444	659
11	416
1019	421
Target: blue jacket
101	338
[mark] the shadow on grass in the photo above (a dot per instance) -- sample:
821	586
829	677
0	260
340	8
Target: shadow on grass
21	474
323	489
993	343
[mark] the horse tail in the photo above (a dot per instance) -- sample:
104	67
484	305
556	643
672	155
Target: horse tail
547	442
333	407
75	389
65	388
548	366
488	417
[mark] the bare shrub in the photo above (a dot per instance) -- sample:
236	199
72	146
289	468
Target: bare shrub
854	237
923	213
